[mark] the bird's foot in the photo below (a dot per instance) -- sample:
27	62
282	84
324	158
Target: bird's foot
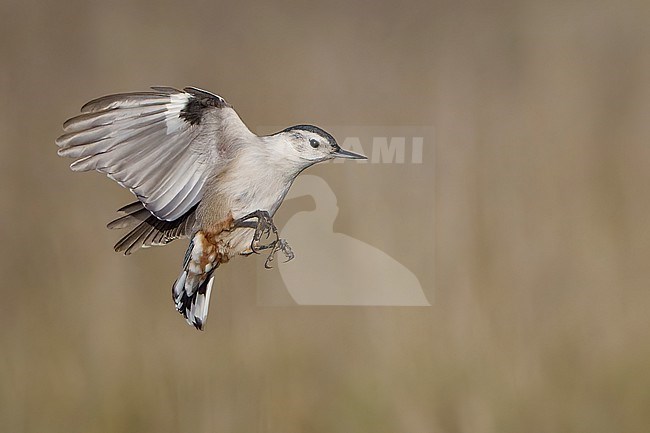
279	245
263	228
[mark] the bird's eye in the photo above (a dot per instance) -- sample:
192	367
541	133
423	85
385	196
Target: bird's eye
314	143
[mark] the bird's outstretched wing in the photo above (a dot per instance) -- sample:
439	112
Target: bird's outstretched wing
162	145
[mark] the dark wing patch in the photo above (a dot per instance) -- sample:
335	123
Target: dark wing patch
200	101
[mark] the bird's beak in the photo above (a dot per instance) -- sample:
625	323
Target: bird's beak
340	153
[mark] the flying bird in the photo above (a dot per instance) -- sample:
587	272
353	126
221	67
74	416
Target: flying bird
198	172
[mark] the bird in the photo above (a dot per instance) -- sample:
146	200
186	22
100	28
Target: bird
197	172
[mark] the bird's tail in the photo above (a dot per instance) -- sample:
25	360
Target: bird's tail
191	291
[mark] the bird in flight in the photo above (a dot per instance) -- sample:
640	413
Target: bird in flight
198	172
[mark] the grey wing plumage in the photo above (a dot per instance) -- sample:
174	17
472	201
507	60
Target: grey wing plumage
163	145
146	230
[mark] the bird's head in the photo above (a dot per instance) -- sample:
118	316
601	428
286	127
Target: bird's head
309	144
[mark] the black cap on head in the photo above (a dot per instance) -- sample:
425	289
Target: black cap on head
337	151
314	129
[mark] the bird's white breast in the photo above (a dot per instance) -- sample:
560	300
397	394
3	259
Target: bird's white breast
252	181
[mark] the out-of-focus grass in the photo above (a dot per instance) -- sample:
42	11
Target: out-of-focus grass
539	320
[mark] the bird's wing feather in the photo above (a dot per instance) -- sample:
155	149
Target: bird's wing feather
162	145
146	230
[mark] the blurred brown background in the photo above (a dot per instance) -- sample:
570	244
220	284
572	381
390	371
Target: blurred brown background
540	302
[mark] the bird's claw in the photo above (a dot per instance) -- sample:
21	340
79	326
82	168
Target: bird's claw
279	245
263	229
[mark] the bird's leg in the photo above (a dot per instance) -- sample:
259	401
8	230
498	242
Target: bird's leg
264	227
